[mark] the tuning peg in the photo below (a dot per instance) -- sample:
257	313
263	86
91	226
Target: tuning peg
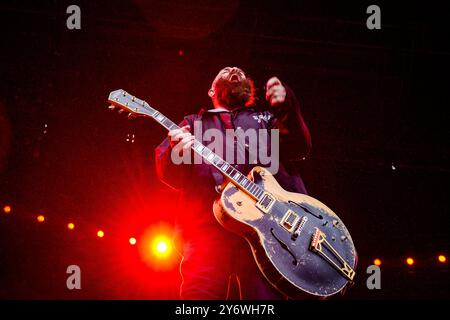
120	111
130	115
111	107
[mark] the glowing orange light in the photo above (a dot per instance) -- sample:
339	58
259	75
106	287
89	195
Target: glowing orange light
100	234
40	218
377	262
70	226
7	209
442	258
157	247
132	241
410	261
161	246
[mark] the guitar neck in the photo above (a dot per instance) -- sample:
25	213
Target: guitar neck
238	178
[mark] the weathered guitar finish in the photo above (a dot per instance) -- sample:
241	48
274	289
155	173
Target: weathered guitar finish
300	245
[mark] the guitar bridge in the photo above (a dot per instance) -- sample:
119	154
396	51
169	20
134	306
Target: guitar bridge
265	203
319	243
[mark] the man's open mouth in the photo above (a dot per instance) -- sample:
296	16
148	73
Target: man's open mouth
234	78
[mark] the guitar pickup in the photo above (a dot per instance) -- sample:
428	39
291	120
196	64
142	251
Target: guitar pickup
265	203
289	221
300	227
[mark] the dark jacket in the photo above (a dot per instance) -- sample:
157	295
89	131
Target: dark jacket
211	253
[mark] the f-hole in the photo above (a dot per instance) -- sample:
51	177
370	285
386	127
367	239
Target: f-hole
284	246
306	209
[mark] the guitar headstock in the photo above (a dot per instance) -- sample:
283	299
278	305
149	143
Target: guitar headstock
125	102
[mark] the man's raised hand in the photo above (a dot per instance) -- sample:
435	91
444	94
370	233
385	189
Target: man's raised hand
275	92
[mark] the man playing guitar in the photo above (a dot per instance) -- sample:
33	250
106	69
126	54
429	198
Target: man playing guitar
213	258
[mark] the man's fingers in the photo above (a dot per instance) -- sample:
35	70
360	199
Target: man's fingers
188	145
276	94
278	88
186	128
187	139
181	135
179	138
184	145
174	132
272	82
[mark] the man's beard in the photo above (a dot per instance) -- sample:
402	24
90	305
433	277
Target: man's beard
234	94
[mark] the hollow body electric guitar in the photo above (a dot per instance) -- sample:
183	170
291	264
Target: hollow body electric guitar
300	245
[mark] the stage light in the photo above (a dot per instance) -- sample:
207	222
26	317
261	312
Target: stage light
161	246
70	226
410	261
442	258
157	249
40	218
377	262
100	234
7	209
132	241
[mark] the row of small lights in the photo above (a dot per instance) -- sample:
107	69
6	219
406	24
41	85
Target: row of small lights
100	233
410	261
71	226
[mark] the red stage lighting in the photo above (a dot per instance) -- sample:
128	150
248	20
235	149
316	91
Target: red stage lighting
442	258
100	234
40	218
377	262
156	248
409	261
7	209
132	241
161	246
70	226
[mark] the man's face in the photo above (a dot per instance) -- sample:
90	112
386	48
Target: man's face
232	89
231	74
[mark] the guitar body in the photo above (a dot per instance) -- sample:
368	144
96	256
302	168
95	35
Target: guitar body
300	245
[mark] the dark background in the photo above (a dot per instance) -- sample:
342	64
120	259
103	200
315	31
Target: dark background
375	100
